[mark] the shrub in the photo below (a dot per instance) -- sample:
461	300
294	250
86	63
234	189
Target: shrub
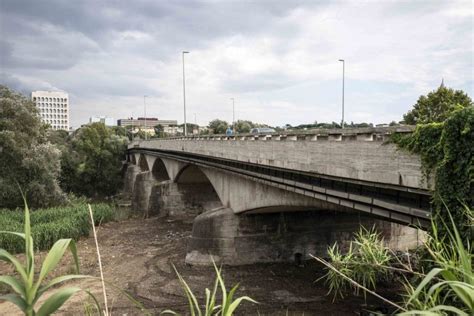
447	289
447	153
365	262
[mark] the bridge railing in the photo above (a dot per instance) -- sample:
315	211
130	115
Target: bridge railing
347	134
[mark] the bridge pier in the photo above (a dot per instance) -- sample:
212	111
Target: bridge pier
129	180
143	184
175	199
237	239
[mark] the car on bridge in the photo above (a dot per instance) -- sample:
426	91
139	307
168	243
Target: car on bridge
262	130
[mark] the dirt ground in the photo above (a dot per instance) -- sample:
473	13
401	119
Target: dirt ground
137	255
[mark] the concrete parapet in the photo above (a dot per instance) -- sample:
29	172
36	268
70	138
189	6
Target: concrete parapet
357	154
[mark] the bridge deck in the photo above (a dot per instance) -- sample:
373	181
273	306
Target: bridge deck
394	202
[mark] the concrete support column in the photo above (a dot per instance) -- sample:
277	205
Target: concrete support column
129	180
176	199
144	182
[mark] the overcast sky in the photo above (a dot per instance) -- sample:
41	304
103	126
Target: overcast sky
278	59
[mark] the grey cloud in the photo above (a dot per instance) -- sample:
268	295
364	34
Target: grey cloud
263	82
23	86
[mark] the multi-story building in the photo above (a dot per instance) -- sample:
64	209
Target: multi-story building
53	108
107	121
148	124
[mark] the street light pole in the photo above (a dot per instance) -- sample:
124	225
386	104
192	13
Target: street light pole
233	114
343	75
184	96
144	106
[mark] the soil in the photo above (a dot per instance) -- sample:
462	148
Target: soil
138	254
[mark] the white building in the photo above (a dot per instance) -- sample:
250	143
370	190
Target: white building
53	108
108	121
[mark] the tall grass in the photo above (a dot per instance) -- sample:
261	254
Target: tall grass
52	224
365	262
211	307
29	286
447	289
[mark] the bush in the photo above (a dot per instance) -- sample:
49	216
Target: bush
447	289
51	224
27	159
447	153
366	262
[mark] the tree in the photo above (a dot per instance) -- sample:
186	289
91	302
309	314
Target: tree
242	126
437	106
92	164
218	126
27	160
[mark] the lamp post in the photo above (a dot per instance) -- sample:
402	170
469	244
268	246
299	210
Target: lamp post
343	75
233	114
144	107
184	96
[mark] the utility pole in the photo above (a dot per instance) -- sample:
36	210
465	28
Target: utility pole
144	106
184	96
343	75
233	114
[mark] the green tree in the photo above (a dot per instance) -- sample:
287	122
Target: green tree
92	165
437	106
242	126
218	126
27	158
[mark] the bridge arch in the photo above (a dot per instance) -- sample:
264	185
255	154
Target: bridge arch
142	163
159	171
132	158
197	190
191	174
244	195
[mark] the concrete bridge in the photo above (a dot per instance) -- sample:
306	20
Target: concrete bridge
280	197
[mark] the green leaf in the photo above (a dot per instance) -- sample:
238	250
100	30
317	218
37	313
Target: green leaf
53	257
6	256
56	300
193	303
13	283
230	296
221	284
237	302
170	312
424	282
15	299
96	302
29	253
447	308
61	279
13	233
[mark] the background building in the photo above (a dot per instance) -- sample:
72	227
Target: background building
169	126
108	121
53	108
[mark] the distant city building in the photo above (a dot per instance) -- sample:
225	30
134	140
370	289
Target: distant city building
53	108
107	121
169	126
